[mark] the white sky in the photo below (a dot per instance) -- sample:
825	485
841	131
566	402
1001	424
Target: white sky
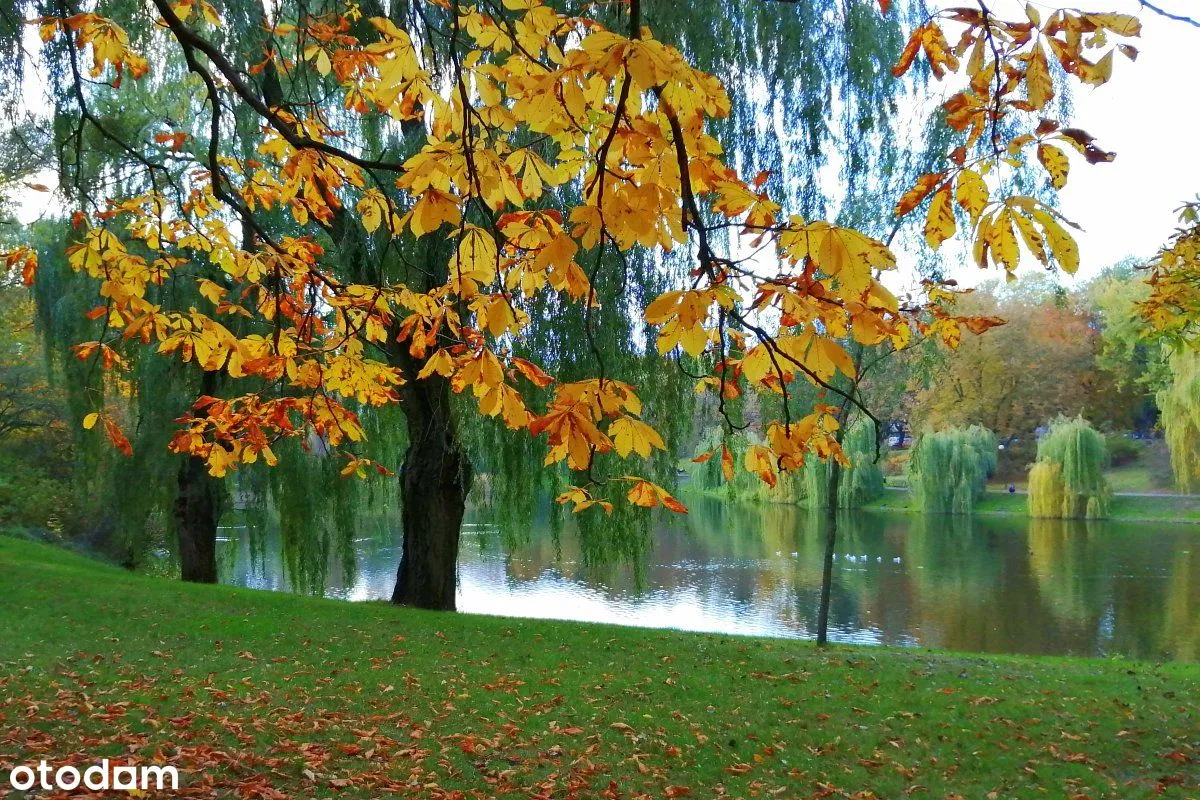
1147	114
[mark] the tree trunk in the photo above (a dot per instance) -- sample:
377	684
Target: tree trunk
198	506
830	518
434	482
199	503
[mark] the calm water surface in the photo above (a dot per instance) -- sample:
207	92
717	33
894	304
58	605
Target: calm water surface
983	584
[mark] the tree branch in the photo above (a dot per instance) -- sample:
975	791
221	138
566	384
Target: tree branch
189	38
1164	13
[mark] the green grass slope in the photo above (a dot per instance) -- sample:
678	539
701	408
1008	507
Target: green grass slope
262	695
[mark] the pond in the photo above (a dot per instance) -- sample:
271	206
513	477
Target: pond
983	584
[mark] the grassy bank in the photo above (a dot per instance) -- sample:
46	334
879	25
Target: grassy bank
263	695
1126	508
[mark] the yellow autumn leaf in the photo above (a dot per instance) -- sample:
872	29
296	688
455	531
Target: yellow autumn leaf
434	209
1038	84
692	338
211	291
939	219
1061	243
582	500
1055	162
841	253
662	308
757	364
475	261
819	354
1120	24
761	461
1096	74
632	435
441	363
1003	241
1029	234
372	209
971	193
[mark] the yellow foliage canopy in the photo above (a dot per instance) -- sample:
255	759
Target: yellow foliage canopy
539	99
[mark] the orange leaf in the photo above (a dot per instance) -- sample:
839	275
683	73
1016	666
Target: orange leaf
116	436
910	52
533	372
978	325
920	190
648	495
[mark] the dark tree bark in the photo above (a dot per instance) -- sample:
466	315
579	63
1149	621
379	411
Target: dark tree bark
198	507
199	503
434	482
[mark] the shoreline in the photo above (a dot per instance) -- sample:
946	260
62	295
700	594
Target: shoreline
1126	508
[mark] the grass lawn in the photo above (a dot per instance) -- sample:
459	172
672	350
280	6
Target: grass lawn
994	502
1153	508
263	695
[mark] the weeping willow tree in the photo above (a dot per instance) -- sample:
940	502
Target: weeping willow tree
1180	406
812	87
1067	480
861	483
123	516
152	497
948	470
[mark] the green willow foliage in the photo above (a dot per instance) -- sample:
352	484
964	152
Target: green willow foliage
1180	406
811	88
1067	481
948	470
861	483
126	501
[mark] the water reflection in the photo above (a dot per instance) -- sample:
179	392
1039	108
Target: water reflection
981	584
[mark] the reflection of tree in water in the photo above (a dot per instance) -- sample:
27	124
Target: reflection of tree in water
1155	591
1062	557
315	555
302	523
718	554
608	550
1181	617
973	588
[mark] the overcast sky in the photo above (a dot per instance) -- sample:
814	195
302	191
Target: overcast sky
1149	116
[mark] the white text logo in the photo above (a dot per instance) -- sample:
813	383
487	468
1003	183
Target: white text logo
97	778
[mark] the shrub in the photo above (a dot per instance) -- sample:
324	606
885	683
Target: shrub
1067	482
948	470
1122	450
